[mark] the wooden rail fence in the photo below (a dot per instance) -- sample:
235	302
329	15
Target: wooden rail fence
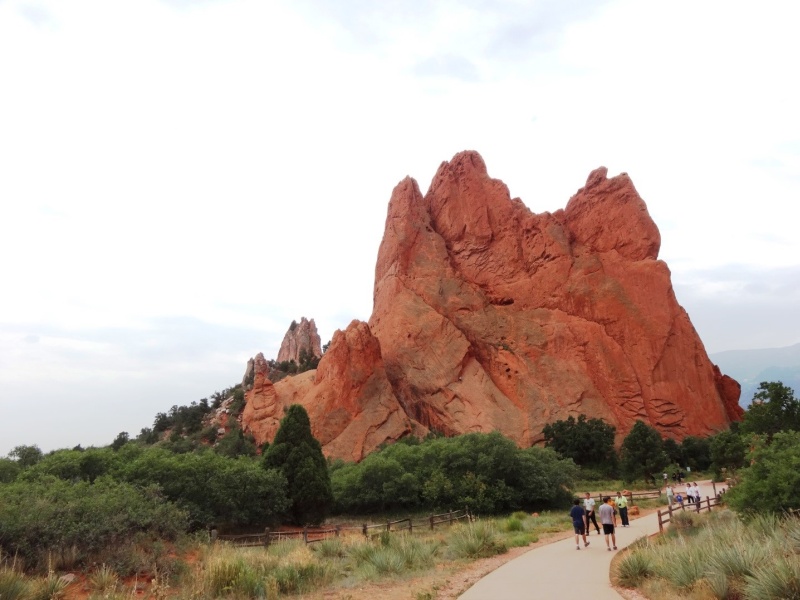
665	516
310	536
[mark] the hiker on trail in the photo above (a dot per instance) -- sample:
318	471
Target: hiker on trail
588	504
607	519
679	499
622	505
689	493
696	493
578	514
670	495
665	480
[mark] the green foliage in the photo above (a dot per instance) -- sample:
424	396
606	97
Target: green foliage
727	451
119	441
297	455
485	472
9	469
587	442
211	487
43	516
772	481
475	540
236	443
26	456
73	465
642	453
696	453
237	405
774	408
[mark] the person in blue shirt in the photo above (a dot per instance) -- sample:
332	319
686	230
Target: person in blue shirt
578	515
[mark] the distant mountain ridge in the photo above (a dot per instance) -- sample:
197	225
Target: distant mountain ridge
751	367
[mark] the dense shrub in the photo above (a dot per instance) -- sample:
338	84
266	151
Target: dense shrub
772	481
485	472
212	488
49	514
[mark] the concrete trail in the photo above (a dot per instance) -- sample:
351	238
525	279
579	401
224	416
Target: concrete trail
560	571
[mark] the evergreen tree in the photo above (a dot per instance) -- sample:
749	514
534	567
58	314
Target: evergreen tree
643	453
587	442
298	456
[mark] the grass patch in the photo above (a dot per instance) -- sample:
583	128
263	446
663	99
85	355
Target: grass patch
475	540
719	556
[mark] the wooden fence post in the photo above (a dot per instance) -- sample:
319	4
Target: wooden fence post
266	538
431	522
660	523
336	531
714	487
388	525
305	534
670	513
364	530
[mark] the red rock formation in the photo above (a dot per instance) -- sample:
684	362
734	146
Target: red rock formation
348	398
300	336
490	317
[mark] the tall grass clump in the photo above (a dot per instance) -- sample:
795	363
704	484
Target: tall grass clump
777	581
13	584
475	540
634	568
391	555
512	524
103	579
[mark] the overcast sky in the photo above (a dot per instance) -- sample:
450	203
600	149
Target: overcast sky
179	180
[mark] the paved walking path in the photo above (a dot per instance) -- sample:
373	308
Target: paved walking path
557	570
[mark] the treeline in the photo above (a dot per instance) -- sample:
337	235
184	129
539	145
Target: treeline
88	501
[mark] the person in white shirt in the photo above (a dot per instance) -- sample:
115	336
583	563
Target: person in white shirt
588	504
696	492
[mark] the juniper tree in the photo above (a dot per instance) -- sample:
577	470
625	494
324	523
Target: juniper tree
298	456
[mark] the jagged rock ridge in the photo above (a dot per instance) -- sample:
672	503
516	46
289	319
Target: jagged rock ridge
300	337
489	317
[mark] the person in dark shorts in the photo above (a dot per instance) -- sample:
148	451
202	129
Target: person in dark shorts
588	504
607	519
578	515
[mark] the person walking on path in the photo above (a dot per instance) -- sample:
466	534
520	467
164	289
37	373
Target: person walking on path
588	504
670	495
696	492
578	514
607	519
622	505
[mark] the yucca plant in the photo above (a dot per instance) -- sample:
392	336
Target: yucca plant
13	584
778	581
634	568
475	540
103	579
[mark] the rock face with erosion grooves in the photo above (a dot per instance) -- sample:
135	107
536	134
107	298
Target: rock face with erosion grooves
300	336
489	317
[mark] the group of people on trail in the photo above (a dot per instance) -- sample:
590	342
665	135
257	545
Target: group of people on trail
583	516
692	495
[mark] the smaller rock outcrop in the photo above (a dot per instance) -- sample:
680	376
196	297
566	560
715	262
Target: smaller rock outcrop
300	337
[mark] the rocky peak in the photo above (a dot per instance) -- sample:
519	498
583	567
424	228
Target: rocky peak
300	336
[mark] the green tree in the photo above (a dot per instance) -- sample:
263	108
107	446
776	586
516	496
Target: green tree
772	481
696	452
26	456
587	442
297	455
727	450
673	451
119	441
236	443
642	453
9	470
774	408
